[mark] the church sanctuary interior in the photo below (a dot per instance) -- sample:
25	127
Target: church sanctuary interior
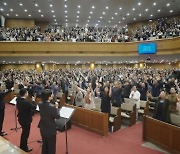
90	76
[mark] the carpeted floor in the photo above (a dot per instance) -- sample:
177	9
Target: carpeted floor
80	141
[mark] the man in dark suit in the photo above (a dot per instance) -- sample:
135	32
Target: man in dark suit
2	109
25	117
48	114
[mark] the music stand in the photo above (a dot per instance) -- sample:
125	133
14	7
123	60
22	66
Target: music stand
13	101
66	113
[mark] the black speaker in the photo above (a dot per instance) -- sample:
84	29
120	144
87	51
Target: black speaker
60	124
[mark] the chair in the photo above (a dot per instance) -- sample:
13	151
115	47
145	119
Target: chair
144	108
97	102
127	100
128	111
115	118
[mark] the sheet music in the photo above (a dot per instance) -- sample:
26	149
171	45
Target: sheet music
66	112
13	101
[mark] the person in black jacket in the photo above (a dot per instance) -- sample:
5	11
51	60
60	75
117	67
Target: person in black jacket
161	110
2	109
48	114
25	109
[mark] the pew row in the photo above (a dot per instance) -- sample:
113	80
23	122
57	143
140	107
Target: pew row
128	111
162	134
94	121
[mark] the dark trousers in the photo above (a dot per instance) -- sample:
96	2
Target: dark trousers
25	134
1	119
49	145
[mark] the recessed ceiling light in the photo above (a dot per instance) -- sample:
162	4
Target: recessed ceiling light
78	12
77	20
65	16
89	17
5	3
134	18
150	20
65	11
154	3
171	11
7	14
115	13
109	21
39	10
42	15
120	8
139	3
20	4
146	10
98	20
25	10
79	6
119	22
128	14
77	16
123	18
29	15
159	10
51	5
151	15
112	18
16	15
93	7
96	24
54	16
36	4
133	9
56	23
52	11
66	20
168	4
65	5
107	7
100	17
91	12
87	20
55	20
104	13
1	9
140	15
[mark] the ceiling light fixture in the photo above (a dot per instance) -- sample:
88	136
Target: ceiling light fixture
51	5
171	11
42	15
146	10
115	13
154	3
107	7
93	7
120	8
103	13
79	6
21	4
168	4
39	10
5	3
36	4
133	9
139	3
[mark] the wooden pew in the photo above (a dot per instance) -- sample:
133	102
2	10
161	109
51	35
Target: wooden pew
9	97
128	111
94	121
7	148
115	118
144	108
162	134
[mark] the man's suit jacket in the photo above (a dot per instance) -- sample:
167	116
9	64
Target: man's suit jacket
25	110
48	114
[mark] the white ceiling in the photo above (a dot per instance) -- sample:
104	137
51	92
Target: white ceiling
86	6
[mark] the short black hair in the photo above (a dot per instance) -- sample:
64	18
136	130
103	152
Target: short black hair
22	92
46	94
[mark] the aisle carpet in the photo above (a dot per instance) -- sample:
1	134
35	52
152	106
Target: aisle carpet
80	141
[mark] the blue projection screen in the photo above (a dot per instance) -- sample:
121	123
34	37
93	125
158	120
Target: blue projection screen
147	48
